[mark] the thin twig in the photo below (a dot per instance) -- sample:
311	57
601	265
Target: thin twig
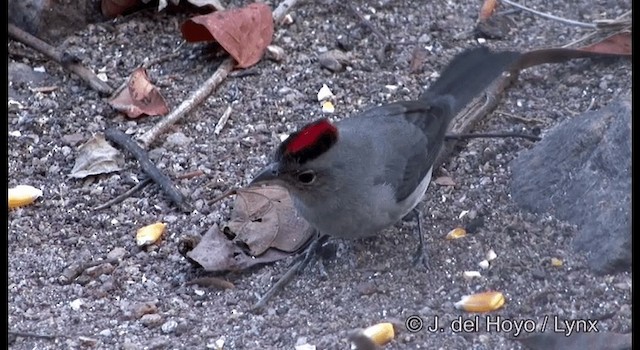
64	59
230	192
380	54
604	25
147	165
491	135
190	103
34	335
207	87
552	17
125	195
75	269
223	120
175	53
521	119
190	174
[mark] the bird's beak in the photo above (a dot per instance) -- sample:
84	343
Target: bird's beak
268	174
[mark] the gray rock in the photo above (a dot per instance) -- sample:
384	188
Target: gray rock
581	173
20	73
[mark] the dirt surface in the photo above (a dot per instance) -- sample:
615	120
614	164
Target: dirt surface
368	281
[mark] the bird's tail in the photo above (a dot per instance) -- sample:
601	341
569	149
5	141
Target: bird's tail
468	74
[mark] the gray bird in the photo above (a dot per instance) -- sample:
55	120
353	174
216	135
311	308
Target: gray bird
358	176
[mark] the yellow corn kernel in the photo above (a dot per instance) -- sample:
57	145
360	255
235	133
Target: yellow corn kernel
150	234
481	302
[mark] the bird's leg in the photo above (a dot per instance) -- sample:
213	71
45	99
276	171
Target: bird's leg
300	262
421	255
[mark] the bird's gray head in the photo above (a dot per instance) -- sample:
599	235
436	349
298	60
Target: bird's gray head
297	164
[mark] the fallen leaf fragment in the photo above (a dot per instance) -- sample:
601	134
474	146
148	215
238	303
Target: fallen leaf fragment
444	181
244	32
380	333
264	218
140	97
616	44
456	233
113	8
487	9
215	252
95	157
418	58
22	195
481	302
334	60
150	233
212	281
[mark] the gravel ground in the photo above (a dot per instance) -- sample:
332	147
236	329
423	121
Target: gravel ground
368	281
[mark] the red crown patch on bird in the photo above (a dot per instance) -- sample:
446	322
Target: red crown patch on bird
309	142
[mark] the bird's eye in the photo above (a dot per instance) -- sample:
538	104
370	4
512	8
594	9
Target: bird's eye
307	177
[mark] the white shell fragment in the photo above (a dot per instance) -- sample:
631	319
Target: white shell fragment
471	274
325	93
491	255
484	264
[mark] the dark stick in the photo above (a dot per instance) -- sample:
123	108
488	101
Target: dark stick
62	58
125	195
491	135
380	54
158	177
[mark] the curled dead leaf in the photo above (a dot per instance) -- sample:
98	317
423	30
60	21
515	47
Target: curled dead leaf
95	157
264	227
244	32
140	97
264	217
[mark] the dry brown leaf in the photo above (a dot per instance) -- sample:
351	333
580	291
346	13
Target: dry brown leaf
264	227
444	181
113	8
96	157
140	97
487	9
418	58
212	281
215	253
617	44
265	218
244	32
